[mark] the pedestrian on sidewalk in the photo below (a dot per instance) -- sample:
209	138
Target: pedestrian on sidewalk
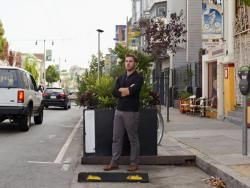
127	90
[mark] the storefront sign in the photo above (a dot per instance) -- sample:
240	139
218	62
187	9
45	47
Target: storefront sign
215	53
48	55
209	45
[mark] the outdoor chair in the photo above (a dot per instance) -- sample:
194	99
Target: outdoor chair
194	105
184	105
203	106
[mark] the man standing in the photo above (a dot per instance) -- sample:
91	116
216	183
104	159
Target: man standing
127	90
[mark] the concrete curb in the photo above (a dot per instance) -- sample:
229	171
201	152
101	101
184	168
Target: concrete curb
213	168
231	179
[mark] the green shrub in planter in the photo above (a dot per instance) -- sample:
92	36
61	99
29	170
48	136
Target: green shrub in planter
103	90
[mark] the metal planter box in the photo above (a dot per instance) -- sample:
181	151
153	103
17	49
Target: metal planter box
98	131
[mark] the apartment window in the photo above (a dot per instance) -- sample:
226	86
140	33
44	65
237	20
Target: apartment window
161	11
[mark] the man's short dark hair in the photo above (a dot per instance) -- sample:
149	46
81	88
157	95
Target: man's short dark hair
133	56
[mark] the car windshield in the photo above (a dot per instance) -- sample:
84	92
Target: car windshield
8	78
54	90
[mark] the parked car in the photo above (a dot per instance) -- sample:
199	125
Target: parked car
20	99
56	97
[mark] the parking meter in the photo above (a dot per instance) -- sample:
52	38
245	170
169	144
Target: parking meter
244	75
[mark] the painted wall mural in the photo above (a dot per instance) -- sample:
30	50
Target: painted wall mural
212	19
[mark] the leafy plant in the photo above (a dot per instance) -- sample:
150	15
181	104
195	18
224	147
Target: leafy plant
162	36
98	94
247	2
94	93
103	90
184	94
3	42
88	99
31	65
52	74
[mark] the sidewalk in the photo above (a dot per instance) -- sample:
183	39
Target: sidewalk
216	144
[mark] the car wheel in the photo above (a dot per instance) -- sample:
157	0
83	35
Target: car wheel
25	122
1	120
39	119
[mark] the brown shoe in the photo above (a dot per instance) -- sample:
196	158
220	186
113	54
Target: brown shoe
110	167
133	167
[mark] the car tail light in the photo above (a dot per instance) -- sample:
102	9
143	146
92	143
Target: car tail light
62	95
20	96
45	94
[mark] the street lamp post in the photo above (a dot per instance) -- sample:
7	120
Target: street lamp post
99	53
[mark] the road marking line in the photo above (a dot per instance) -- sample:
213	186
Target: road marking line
40	162
52	136
65	167
63	150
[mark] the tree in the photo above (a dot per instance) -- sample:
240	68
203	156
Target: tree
52	74
93	67
3	41
162	37
31	65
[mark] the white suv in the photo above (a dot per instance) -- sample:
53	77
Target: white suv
19	97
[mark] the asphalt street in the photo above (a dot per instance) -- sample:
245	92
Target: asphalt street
46	155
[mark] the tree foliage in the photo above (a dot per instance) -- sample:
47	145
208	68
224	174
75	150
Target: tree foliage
163	36
52	74
31	65
247	2
93	67
3	41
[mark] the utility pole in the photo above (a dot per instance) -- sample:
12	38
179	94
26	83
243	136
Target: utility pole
99	53
43	67
44	60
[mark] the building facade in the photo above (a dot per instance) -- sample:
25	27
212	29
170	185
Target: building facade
187	53
223	55
241	41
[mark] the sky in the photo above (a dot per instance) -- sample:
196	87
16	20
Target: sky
71	24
